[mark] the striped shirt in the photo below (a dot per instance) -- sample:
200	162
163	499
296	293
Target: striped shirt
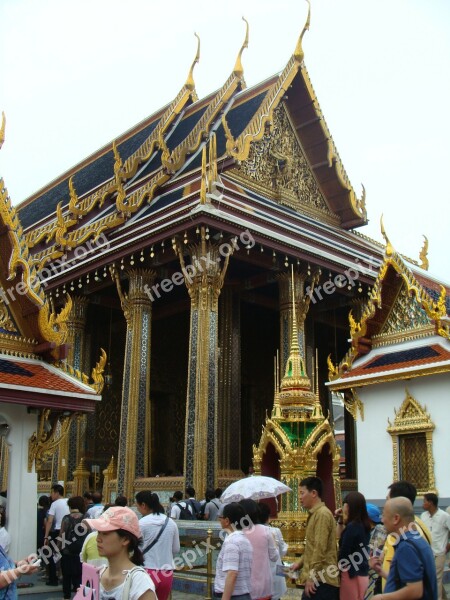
235	555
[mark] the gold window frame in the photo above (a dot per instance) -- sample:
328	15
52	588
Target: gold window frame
412	418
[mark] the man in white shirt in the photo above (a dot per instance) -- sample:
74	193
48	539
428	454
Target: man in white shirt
438	522
177	503
58	509
97	508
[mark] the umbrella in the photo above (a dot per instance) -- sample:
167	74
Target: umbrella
255	487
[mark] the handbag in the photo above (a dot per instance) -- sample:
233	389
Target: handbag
90	583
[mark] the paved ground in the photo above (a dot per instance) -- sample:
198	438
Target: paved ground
39	591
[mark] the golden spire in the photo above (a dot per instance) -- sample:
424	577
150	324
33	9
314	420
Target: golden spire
424	264
238	68
190	84
295	389
317	412
298	52
2	129
389	247
276	410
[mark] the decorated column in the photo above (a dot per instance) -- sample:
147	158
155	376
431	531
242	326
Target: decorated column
76	441
134	449
204	278
303	284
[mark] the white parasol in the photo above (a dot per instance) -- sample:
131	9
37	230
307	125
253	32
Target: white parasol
255	487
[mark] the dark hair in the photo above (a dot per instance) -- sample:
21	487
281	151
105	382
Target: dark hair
313	483
121	501
251	509
97	497
77	502
143	497
58	489
218	492
431	498
44	501
235	512
403	488
136	556
105	508
178	496
264	511
87	495
190	492
357	509
151	500
2	518
209	495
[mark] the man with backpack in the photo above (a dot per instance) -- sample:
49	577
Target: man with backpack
180	510
412	573
73	533
192	503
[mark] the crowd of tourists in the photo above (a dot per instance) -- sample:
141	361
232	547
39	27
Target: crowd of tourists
357	553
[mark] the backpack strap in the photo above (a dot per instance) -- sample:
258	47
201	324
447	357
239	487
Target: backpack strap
426	579
215	504
152	543
128	581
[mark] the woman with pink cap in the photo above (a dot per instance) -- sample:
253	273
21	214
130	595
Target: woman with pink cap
118	540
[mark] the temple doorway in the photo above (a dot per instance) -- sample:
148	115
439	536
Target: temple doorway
325	472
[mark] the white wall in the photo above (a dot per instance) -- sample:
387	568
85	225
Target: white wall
22	486
374	444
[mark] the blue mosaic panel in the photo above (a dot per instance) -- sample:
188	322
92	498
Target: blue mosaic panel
124	415
190	414
211	443
144	362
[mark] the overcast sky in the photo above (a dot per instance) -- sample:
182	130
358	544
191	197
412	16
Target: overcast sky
74	74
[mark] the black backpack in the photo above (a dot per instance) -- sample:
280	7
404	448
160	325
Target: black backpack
75	533
185	513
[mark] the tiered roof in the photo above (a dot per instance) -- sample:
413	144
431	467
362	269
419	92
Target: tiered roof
32	333
149	180
403	330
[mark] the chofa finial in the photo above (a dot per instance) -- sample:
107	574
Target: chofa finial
2	129
298	52
190	84
238	68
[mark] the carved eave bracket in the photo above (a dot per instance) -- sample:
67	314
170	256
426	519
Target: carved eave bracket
423	256
97	373
47	438
54	326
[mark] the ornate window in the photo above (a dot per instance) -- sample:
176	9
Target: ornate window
412	442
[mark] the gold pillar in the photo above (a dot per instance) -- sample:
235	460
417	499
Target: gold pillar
73	449
229	385
109	474
134	448
204	280
80	479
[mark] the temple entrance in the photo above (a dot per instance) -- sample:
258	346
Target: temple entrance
270	467
325	472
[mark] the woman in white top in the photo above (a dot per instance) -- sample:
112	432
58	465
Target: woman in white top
279	581
161	542
118	540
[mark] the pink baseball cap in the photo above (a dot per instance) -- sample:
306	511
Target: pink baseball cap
116	517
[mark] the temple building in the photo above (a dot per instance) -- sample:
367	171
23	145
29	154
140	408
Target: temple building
395	381
175	245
